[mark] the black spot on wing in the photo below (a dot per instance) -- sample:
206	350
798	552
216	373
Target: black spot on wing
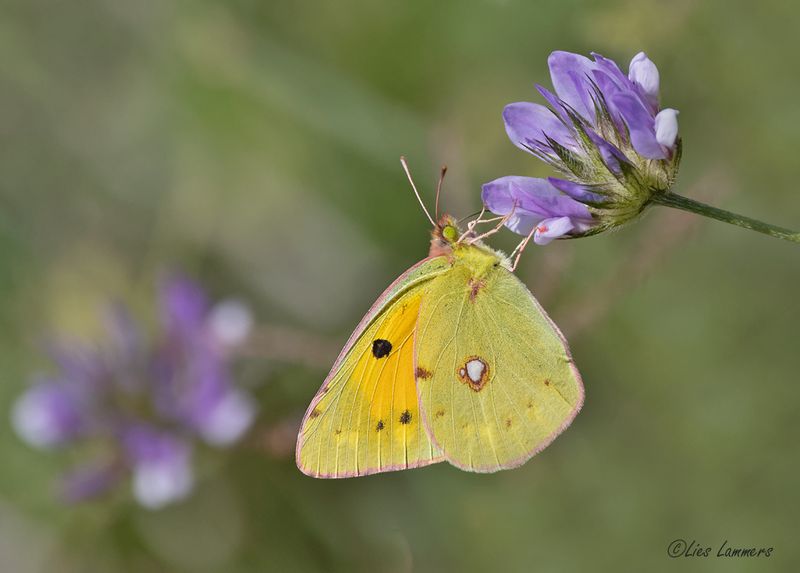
381	348
405	417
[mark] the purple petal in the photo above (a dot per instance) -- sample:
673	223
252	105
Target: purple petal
230	323
530	123
531	201
610	154
569	73
502	196
143	443
228	419
184	305
206	383
641	125
610	68
644	73
556	204
577	191
190	376
609	89
156	484
550	229
513	193
522	224
556	104
160	464
46	415
667	127
496	196
623	83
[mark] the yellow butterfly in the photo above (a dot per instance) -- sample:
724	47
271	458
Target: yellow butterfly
455	361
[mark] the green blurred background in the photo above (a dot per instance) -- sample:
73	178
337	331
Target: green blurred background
256	145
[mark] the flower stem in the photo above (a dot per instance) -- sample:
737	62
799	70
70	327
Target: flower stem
676	201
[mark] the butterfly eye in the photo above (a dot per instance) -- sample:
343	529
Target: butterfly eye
450	233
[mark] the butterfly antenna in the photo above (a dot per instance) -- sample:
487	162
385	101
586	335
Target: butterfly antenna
478	213
439	189
414	187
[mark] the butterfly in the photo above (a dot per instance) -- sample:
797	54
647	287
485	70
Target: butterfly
456	361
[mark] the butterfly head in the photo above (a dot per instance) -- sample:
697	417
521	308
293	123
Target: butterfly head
445	236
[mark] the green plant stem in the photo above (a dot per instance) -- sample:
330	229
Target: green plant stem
676	201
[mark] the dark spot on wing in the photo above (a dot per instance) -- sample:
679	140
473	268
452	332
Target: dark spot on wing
337	432
530	404
439	413
475	287
381	347
314	413
508	422
422	373
379	426
405	417
546	382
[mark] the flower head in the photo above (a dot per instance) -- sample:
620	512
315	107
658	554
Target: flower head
144	401
607	136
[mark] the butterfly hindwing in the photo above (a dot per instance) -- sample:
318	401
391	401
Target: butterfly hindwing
365	418
497	382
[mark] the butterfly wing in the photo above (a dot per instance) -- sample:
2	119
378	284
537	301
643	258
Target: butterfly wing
498	383
365	418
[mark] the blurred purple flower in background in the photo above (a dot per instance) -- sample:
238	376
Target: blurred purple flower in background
605	133
145	403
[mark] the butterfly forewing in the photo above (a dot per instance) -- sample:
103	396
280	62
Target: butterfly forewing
365	418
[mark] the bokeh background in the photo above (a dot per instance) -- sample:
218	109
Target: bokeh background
255	145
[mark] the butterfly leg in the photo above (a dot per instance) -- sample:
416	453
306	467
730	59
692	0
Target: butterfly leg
495	229
521	247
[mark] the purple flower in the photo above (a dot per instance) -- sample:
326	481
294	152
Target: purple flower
47	415
160	464
536	205
605	133
230	322
149	398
